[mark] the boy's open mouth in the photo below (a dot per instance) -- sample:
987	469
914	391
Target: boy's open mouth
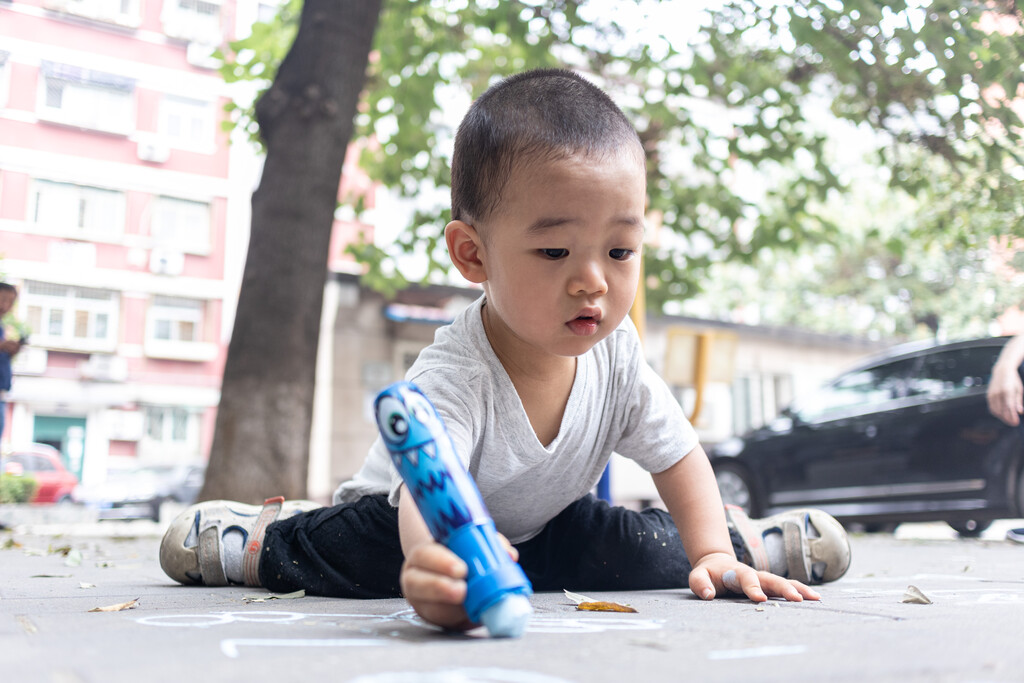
584	324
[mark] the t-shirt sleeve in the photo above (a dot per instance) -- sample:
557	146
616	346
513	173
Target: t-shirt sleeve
656	433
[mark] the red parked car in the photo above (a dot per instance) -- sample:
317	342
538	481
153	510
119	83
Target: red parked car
54	482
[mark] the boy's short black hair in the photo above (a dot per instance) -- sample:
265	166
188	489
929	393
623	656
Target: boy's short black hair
541	114
8	287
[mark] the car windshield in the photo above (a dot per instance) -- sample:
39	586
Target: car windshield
856	392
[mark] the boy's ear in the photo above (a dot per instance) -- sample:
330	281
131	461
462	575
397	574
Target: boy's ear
465	249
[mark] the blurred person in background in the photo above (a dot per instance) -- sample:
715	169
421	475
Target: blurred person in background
8	349
1006	396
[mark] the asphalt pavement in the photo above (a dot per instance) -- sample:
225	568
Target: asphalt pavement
56	570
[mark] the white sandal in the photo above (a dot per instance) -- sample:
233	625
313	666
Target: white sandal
192	550
817	549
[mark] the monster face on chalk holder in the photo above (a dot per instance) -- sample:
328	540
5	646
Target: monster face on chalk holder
406	419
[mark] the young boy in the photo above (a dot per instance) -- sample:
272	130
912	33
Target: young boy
538	382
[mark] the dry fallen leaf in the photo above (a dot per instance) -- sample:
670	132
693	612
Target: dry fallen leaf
914	596
83	584
601	606
585	604
118	607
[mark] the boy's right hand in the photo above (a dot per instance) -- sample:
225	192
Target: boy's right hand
433	581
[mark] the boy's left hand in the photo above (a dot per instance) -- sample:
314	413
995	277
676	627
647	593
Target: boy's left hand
719	573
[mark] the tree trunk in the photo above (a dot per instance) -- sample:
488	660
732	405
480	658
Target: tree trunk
261	439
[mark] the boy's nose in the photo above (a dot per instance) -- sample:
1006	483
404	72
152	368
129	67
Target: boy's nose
588	279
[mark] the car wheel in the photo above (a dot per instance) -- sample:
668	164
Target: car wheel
154	509
970	528
736	489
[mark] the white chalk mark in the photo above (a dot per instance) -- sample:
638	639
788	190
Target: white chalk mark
461	675
547	623
231	646
754	652
539	623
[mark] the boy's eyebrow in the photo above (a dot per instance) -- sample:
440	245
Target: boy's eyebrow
542	225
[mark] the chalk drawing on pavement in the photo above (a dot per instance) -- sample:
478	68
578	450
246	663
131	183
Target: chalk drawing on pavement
539	623
460	675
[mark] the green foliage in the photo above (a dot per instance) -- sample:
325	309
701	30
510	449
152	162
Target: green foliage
16	489
15	329
739	117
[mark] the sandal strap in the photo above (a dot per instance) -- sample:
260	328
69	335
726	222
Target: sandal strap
797	559
251	556
752	539
210	563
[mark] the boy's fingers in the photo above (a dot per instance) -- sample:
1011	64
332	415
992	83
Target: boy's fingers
513	552
701	584
434	557
750	581
424	586
790	589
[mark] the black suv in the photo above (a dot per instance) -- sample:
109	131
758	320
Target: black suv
906	437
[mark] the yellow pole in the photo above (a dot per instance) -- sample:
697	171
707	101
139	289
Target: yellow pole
638	311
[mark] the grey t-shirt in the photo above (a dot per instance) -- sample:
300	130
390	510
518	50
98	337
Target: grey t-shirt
617	404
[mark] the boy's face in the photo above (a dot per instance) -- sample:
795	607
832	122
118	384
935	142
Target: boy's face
561	253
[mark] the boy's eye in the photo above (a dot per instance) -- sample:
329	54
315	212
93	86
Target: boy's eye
621	254
555	253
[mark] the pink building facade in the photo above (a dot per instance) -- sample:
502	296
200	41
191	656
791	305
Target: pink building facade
123	221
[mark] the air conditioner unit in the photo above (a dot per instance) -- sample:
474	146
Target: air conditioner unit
104	368
153	151
166	262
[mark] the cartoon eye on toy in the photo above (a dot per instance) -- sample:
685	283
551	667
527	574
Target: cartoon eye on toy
392	419
422	411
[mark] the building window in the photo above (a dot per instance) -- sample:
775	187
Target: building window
76	318
187	123
77	210
169	425
174	319
181	225
195	20
85	98
175	330
121	12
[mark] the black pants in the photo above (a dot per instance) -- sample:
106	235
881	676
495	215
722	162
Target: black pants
353	551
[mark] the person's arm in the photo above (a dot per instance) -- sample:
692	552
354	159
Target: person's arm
1005	390
691	495
433	577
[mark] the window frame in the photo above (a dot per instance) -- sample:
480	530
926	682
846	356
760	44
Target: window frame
187	108
176	241
77	192
97	117
70	306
